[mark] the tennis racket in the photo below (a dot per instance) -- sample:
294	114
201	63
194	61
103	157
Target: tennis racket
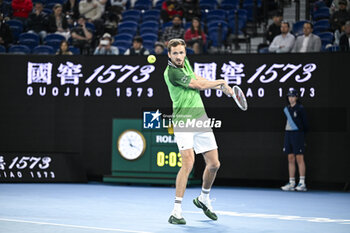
239	98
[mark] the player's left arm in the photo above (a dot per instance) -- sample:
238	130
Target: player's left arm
224	87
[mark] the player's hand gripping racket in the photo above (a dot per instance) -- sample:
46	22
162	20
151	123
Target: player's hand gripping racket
239	98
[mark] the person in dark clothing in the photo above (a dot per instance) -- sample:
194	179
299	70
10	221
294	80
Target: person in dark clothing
58	22
137	48
38	21
294	140
344	42
5	32
340	17
275	28
191	9
71	8
170	8
5	9
81	36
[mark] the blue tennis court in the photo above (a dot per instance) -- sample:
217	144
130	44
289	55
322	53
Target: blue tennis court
98	207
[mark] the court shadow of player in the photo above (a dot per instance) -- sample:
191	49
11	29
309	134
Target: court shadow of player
209	226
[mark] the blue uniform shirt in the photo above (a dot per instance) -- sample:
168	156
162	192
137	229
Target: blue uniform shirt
296	118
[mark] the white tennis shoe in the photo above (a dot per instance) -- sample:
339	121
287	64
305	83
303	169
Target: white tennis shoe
301	188
288	187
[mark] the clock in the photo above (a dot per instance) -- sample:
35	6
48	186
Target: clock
131	144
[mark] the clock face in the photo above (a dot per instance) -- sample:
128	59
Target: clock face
131	144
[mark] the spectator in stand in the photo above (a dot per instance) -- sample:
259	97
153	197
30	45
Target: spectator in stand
5	9
21	9
174	31
340	17
170	8
92	10
58	22
81	36
191	9
105	46
338	33
64	49
137	47
195	37
113	15
307	42
284	42
5	32
344	43
38	21
116	6
335	6
159	48
275	28
71	8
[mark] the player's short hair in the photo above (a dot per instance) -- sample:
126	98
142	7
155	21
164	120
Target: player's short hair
174	43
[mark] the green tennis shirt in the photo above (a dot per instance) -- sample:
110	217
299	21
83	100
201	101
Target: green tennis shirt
187	102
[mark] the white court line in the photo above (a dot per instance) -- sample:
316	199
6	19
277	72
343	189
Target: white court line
277	216
71	226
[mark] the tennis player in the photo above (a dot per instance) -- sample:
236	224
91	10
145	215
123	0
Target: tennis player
184	88
294	143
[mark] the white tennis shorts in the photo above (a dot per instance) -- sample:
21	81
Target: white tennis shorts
200	141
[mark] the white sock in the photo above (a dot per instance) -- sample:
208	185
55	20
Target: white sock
177	204
292	180
302	180
205	193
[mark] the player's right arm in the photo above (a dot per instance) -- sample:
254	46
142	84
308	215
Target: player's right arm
224	87
203	84
179	78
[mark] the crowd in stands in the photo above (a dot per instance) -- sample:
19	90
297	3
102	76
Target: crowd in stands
117	27
329	30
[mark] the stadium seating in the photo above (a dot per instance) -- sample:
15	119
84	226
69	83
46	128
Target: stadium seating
16	27
122	49
229	5
74	50
2	49
30	39
151	15
148	44
217	32
208	5
216	15
90	27
326	38
129	27
123	43
149	37
54	40
123	36
321	26
44	50
158	5
333	48
298	28
19	49
131	15
143	5
16	23
322	13
150	24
